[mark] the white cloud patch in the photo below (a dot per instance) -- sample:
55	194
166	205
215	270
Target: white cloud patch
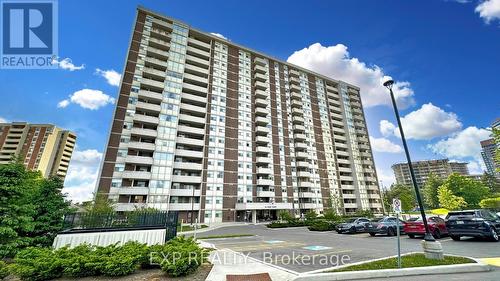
462	145
489	10
112	77
3	120
87	98
336	62
387	178
425	123
219	35
67	64
387	128
81	179
385	145
475	167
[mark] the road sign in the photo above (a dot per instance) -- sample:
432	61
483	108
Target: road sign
396	205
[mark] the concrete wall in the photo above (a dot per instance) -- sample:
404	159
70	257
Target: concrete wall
150	237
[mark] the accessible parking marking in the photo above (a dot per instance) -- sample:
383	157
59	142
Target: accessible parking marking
491	261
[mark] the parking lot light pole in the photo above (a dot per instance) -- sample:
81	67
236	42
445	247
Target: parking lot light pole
428	236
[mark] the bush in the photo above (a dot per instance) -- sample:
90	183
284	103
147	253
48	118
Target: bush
34	264
311	215
322	225
184	256
153	257
81	261
4	270
331	215
284	215
490	203
290	223
123	260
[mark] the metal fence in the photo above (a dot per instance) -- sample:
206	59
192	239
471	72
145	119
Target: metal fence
122	221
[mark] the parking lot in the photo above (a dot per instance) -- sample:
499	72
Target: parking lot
301	250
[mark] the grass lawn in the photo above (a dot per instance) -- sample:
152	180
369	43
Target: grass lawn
190	227
225	236
412	260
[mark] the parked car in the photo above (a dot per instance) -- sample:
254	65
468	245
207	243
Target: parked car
386	225
353	225
437	226
473	223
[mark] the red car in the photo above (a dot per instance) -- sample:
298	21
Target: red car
437	227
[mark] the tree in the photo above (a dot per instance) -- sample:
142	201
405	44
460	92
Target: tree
496	138
311	215
490	203
284	215
450	201
402	192
430	191
472	191
101	205
491	182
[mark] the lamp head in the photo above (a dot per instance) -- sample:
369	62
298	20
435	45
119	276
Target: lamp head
388	84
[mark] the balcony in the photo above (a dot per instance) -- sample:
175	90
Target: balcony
193	88
295	88
263	149
132	190
190	141
262	193
195	78
265	182
294	80
263	160
198	52
193	108
148	106
145	146
192	119
307	195
260	111
304	184
261	130
186	179
263	171
263	206
300	145
296	96
184	206
261	120
260	61
261	94
185	192
136	175
298	120
297	112
158	53
188	166
142	160
153	83
296	104
197	70
144	132
260	85
301	155
294	72
197	61
260	69
350	205
332	88
303	174
189	153
154	72
191	130
146	119
309	205
150	95
261	102
299	128
299	137
159	43
156	62
302	164
128	207
260	77
198	43
346	178
261	140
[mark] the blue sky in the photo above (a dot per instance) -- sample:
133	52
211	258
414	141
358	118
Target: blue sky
443	54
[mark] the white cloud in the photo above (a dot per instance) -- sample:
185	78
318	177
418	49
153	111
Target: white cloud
3	120
67	64
87	98
335	62
81	179
385	145
425	123
387	178
387	128
110	75
489	10
463	144
219	35
475	167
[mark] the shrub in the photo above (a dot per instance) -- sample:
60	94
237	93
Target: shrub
123	260
4	270
184	256
290	223
152	257
81	261
322	225
331	215
311	215
490	203
284	215
34	264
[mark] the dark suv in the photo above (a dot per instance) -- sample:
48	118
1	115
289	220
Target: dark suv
473	223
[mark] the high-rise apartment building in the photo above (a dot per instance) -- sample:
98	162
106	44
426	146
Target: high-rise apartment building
488	152
221	132
442	168
42	147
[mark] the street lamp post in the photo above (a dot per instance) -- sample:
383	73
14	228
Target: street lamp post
428	236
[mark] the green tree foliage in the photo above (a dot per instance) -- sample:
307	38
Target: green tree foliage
284	215
331	215
430	191
491	182
490	203
31	209
402	192
311	215
472	191
101	205
496	137
450	201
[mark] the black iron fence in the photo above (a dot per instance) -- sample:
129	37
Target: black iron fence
79	222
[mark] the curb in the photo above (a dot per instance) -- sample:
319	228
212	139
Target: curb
384	273
201	230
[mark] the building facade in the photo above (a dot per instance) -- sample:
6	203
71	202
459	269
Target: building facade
41	147
222	133
488	152
442	168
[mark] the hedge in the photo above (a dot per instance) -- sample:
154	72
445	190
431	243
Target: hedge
179	257
322	225
490	203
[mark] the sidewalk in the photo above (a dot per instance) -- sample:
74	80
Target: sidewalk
226	261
